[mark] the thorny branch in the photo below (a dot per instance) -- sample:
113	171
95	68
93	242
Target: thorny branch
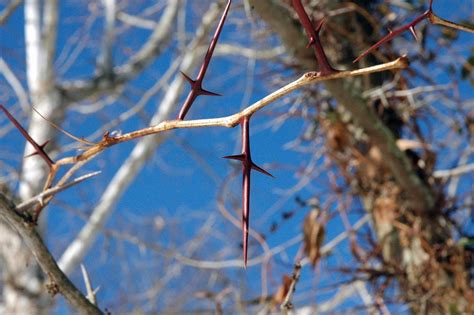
39	148
227	121
314	40
428	14
196	85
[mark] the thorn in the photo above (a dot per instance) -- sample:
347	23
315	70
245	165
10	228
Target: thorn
247	166
197	84
320	25
26	135
191	81
313	34
261	170
413	32
202	91
36	152
238	157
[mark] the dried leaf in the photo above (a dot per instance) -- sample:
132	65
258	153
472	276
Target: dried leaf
313	236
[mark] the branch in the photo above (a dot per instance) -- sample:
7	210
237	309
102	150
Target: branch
5	14
46	261
428	14
457	171
38	199
15	84
313	34
232	120
287	305
91	293
81	89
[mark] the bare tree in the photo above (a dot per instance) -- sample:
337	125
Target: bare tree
376	217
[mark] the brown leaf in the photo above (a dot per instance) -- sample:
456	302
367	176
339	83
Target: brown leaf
313	236
282	291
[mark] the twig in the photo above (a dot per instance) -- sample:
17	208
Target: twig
428	14
5	14
457	171
287	305
46	261
91	293
53	191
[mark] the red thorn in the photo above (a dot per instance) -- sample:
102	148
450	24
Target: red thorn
238	157
202	91
320	25
392	34
39	149
313	34
196	85
247	166
191	81
261	170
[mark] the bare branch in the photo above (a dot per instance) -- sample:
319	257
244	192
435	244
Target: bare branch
457	171
15	84
81	89
87	281
5	14
39	199
428	14
45	259
286	305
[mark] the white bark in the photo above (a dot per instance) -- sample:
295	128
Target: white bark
106	60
